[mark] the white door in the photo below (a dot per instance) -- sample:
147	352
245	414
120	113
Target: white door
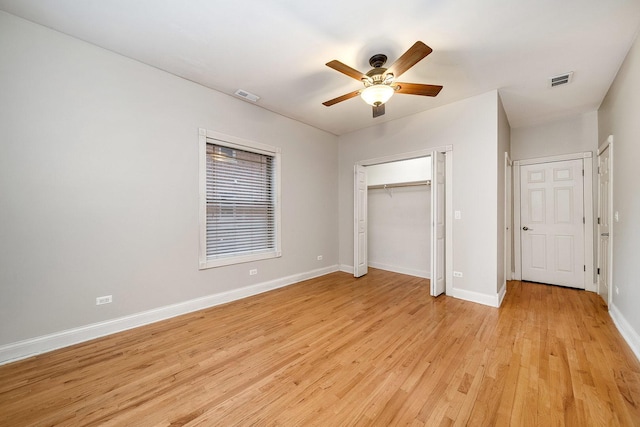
360	266
604	220
552	223
438	224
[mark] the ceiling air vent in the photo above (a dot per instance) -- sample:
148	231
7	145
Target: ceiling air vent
562	79
246	95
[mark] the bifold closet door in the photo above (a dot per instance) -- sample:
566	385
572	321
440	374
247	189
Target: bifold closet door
360	263
438	281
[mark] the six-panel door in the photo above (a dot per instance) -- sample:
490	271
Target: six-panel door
552	216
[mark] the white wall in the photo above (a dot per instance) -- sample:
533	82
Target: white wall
470	126
410	170
618	116
99	185
574	134
399	229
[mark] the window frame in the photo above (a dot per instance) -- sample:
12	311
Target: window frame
217	138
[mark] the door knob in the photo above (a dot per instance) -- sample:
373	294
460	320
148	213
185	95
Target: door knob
525	228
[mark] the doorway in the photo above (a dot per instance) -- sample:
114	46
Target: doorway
399	216
440	234
554	220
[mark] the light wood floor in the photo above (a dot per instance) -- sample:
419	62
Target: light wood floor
336	351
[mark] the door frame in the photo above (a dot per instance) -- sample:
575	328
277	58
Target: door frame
587	158
608	143
508	216
448	150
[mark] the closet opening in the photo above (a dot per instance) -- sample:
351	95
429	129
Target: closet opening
400	216
399	212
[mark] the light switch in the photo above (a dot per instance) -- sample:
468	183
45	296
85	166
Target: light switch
457	215
616	216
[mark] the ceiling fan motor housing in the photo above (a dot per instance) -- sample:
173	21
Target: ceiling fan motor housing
376	76
377	60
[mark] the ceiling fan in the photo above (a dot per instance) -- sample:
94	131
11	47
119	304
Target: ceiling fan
379	82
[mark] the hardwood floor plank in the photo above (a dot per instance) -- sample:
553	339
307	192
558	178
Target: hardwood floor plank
335	350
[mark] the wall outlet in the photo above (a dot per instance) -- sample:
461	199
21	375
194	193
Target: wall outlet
104	300
319	257
253	272
457	274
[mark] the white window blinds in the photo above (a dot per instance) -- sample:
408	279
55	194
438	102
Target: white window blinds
240	202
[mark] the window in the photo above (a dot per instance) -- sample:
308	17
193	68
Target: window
239	200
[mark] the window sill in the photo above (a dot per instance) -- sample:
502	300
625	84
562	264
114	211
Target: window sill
231	260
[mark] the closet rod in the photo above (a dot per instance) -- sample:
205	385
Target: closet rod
399	184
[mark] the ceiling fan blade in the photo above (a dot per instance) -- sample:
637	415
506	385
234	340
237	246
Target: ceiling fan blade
345	69
378	111
418	89
410	58
344	97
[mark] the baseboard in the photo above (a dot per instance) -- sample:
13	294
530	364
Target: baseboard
346	268
31	347
501	293
477	297
402	270
626	330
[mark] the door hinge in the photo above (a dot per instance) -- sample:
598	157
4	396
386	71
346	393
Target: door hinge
598	170
598	270
583	220
584	267
582	172
598	221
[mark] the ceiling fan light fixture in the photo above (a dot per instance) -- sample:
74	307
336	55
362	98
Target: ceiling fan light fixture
376	95
379	82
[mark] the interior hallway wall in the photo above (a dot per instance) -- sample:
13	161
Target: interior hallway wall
576	134
618	116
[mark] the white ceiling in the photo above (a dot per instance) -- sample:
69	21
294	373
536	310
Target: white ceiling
277	49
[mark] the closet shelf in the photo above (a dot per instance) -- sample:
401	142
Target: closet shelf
399	184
